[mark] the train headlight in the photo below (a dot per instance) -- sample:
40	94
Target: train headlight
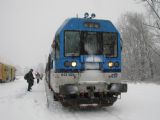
110	64
74	64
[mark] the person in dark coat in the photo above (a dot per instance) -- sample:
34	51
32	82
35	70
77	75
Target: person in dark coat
30	79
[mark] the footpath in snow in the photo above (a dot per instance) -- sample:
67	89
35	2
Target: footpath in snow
141	102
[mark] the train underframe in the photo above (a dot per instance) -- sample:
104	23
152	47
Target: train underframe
70	95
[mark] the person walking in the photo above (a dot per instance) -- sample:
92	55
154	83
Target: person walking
41	76
30	79
38	77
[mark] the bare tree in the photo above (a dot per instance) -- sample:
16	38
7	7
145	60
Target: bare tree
153	20
136	53
153	7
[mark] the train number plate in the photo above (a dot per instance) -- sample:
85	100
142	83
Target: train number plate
112	75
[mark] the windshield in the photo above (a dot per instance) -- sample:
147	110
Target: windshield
90	43
110	44
72	43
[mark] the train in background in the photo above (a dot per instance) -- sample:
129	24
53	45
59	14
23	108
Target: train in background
84	64
7	73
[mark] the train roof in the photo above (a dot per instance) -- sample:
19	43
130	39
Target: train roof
87	24
7	65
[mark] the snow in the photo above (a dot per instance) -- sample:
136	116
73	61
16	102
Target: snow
92	76
93	58
141	102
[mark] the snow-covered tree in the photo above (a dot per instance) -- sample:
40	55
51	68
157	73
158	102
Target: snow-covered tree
137	60
153	19
153	8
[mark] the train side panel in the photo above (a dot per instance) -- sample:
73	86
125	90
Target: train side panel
7	73
13	73
4	73
1	72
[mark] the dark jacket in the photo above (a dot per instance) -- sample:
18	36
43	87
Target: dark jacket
30	77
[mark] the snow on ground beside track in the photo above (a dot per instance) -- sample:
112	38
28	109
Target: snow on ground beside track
141	102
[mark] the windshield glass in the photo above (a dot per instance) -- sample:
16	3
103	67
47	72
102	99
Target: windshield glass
72	43
90	43
110	44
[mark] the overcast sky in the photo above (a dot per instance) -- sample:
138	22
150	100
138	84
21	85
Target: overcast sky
27	27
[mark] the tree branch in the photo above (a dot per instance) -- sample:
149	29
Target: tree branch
151	26
153	9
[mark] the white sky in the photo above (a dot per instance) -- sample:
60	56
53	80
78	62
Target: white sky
27	27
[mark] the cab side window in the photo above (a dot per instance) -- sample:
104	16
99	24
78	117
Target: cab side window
57	47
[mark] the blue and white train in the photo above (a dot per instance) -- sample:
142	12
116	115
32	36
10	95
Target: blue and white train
84	65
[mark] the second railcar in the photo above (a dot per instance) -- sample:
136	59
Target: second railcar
7	72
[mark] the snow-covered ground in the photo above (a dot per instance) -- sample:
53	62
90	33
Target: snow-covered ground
141	102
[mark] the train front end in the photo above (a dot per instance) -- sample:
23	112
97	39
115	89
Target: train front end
86	63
